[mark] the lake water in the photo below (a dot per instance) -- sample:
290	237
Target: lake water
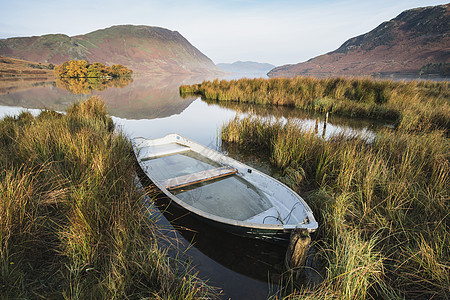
152	108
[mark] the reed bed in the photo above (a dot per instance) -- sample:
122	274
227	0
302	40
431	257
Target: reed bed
73	223
382	206
413	105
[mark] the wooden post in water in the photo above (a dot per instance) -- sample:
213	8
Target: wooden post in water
316	127
296	256
325	125
297	249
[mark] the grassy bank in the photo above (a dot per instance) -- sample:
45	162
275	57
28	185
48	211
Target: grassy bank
414	105
382	206
73	223
23	69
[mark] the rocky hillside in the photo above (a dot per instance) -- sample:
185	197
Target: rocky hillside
415	42
143	49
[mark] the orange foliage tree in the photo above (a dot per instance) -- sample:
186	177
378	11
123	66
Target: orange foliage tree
83	69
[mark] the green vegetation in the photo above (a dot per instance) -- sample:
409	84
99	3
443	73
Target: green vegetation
417	105
441	69
382	206
73	223
83	69
41	66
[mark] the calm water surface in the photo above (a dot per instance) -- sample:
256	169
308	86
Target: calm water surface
152	108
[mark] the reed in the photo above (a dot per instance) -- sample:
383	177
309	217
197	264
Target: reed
73	223
413	105
382	205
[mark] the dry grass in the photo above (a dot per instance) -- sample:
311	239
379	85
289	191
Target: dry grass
382	206
73	223
414	105
12	67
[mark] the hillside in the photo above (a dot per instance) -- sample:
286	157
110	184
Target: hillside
246	67
415	42
143	49
10	67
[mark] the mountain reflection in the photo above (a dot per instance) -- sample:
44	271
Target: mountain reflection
142	97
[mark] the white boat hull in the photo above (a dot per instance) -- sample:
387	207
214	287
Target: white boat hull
244	201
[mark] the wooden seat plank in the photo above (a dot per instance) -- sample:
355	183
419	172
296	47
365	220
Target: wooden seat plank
190	179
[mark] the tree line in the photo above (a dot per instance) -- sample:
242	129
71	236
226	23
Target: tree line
84	69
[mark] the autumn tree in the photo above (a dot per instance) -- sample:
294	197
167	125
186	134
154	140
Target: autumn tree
119	71
83	69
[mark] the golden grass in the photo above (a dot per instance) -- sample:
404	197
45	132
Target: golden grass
73	223
413	105
382	206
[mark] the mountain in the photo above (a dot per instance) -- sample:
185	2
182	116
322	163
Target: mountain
246	67
416	41
144	49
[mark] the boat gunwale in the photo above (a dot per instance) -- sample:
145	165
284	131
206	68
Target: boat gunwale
175	138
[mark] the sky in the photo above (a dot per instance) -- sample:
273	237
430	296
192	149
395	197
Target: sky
268	31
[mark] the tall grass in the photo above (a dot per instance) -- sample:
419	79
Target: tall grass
414	105
72	220
382	205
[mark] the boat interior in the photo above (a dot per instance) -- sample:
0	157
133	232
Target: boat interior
211	187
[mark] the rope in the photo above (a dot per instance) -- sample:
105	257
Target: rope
282	221
290	213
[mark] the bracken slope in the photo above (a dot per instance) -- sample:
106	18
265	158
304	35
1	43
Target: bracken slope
144	49
415	42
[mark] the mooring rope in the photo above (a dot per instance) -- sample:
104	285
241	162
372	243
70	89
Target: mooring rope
290	213
282	221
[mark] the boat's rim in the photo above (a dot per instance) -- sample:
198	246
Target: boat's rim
311	226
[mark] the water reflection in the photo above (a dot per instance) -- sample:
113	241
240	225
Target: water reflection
197	121
323	125
88	85
158	109
279	112
15	84
147	98
243	268
141	98
35	94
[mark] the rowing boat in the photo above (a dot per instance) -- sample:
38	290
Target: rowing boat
222	191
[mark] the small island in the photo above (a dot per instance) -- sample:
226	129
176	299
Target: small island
82	77
83	69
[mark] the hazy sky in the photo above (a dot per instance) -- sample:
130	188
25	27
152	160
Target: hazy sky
273	31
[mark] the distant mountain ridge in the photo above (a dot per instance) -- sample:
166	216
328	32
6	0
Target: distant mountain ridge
416	41
246	67
144	49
